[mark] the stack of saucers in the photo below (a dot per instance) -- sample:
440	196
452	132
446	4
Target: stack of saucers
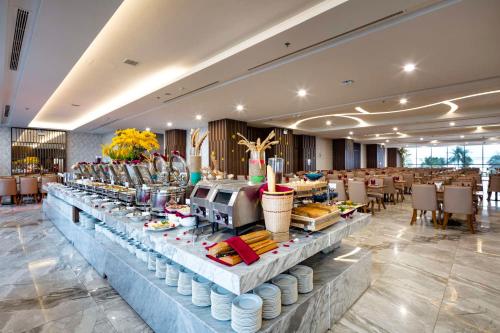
304	275
246	313
221	300
184	283
200	291
288	285
171	274
271	300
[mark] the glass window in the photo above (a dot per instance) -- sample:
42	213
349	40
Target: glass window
439	156
491	158
424	156
411	157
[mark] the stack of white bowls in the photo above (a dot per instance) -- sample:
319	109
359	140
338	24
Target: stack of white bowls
271	300
246	313
200	291
288	286
184	283
171	274
221	300
304	275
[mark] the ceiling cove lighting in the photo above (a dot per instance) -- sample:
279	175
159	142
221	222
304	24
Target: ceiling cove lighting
408	68
403	101
377	135
302	93
360	109
240	107
198	117
453	108
452	123
157	80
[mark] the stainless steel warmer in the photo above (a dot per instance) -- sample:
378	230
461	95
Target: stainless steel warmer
234	205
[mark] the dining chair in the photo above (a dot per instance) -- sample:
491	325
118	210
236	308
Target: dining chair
339	189
458	200
45	180
408	178
28	186
379	196
8	187
389	189
424	198
494	186
357	194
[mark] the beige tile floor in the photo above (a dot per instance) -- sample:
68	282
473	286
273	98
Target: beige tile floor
423	280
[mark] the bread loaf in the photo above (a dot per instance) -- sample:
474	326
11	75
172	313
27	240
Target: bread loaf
250	238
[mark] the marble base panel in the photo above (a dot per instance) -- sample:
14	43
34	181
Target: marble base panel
340	278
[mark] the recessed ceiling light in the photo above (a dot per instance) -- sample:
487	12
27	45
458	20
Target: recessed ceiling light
466	143
240	107
130	62
452	123
462	136
148	129
328	122
346	82
394	128
409	67
351	132
377	135
386	140
403	101
198	117
301	92
169	124
421	139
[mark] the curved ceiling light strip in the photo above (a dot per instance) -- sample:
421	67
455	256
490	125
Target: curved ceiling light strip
448	102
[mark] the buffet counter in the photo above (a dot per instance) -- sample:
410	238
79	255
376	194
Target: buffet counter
340	277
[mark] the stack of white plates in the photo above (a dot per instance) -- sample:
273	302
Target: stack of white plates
221	300
271	300
184	283
171	274
288	285
304	275
246	313
200	291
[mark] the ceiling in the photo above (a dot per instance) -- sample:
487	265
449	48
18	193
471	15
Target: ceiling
195	59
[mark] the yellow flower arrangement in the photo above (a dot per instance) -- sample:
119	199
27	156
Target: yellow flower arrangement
129	144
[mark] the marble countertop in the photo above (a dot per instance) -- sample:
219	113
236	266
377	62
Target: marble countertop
183	247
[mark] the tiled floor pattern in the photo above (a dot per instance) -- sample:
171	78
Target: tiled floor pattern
423	280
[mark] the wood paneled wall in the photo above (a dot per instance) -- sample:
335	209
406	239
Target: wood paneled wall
284	148
375	156
357	155
175	140
393	157
223	141
304	149
343	154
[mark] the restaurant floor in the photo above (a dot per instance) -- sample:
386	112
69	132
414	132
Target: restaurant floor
423	280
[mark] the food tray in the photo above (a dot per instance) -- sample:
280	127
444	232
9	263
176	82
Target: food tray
315	224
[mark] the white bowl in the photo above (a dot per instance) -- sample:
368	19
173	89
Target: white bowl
187	221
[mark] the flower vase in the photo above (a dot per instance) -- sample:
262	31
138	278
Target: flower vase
257	167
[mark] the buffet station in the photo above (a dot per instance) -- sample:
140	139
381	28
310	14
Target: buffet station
214	254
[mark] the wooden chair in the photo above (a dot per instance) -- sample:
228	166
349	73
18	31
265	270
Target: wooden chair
357	194
8	187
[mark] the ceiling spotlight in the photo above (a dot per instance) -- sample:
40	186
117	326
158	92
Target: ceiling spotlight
452	123
349	137
301	92
351	132
240	107
409	68
386	140
377	135
148	129
466	143
403	101
169	124
394	128
462	136
421	139
328	122
198	117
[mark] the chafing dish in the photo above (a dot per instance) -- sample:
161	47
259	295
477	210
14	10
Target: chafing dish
235	205
127	196
163	195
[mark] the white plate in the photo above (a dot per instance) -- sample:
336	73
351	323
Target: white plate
168	226
247	302
267	290
284	280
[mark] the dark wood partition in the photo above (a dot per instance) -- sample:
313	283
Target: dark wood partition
393	157
175	139
304	153
343	154
357	155
223	142
284	148
375	156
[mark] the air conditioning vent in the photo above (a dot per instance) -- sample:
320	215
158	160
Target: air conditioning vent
192	91
17	43
6	111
